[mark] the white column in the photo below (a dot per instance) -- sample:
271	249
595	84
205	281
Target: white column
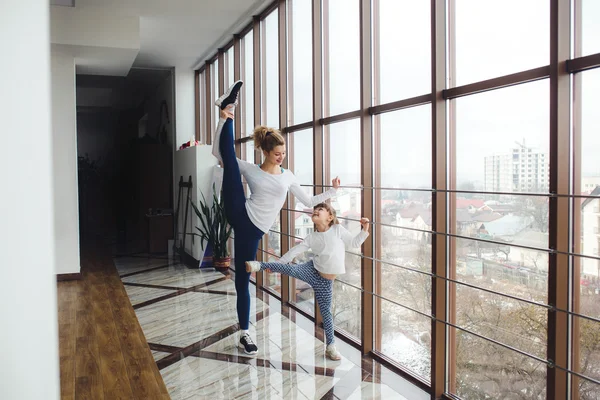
185	123
64	147
28	338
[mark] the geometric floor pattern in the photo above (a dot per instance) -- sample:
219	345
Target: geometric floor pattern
189	320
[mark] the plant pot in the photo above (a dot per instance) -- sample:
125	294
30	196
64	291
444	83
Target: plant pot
221	263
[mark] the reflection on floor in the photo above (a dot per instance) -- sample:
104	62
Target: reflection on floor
189	320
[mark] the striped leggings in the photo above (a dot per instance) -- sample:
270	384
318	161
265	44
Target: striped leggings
322	287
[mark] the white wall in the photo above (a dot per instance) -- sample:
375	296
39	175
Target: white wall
28	338
80	26
185	123
64	146
101	42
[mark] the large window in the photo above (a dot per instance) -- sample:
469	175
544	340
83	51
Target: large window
247	93
495	38
341	57
301	162
270	70
472	145
588	11
300	62
342	150
402	54
403	236
587	215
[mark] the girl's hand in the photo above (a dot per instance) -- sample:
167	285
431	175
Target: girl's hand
335	182
364	222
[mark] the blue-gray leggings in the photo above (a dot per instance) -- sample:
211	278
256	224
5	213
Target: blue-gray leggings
322	287
247	235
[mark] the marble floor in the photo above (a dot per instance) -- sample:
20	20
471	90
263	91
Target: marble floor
189	319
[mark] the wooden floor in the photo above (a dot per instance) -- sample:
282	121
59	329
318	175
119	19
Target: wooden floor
103	351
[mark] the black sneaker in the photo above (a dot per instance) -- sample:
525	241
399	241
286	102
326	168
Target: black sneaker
230	96
247	344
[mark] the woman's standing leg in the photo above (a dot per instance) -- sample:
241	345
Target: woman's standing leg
247	236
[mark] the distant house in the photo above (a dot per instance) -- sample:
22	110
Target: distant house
500	208
508	226
471	205
303	224
413	216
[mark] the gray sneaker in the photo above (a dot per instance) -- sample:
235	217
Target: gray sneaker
247	344
230	96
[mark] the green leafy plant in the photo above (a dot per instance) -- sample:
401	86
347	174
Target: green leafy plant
214	227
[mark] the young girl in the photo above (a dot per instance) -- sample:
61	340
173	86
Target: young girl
327	244
269	184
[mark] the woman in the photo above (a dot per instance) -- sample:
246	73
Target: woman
269	184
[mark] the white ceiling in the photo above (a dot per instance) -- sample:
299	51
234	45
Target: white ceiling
181	33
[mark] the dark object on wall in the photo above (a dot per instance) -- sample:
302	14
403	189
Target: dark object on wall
161	135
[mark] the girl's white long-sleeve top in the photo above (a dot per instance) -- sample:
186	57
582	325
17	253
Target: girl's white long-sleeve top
329	248
268	191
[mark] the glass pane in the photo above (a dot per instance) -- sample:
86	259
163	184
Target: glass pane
343	148
502	139
229	59
507	269
272	252
590	27
590	171
408	288
587	390
346	308
341	56
406	338
302	293
495	38
202	107
406	248
246	112
405	147
589	357
300	62
214	75
402	29
485	370
353	261
300	161
511	322
270	70
514	219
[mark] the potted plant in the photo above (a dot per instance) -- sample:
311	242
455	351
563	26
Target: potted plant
214	229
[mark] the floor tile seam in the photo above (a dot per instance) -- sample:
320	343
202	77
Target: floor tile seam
211	339
146	270
178	292
194	287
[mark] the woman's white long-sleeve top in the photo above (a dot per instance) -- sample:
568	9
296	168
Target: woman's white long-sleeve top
268	191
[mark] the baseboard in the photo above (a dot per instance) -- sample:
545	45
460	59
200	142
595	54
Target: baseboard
68	277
